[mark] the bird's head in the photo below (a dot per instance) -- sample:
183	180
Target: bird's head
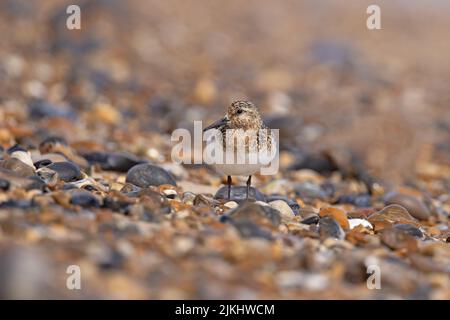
243	115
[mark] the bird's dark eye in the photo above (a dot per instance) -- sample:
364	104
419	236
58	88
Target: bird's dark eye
239	111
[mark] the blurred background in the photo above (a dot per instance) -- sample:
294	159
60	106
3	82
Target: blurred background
313	67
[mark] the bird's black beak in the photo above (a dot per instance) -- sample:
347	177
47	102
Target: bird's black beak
217	124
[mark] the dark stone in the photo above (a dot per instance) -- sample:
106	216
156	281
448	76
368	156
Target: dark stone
253	220
42	163
84	199
311	219
4	184
39	109
115	161
239	193
20	204
145	175
362	200
410	229
67	171
308	191
330	228
115	204
314	161
36	183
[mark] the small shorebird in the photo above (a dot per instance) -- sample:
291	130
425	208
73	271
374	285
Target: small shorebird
244	139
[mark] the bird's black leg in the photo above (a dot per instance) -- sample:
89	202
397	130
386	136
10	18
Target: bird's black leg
249	182
229	187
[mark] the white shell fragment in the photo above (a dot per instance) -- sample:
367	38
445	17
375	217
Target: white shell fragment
356	222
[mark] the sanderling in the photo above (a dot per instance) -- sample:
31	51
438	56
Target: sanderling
247	144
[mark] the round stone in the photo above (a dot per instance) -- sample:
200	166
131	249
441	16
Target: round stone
84	199
145	175
414	205
67	171
284	209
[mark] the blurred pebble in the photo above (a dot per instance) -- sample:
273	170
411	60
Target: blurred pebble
145	175
398	239
414	206
330	228
253	220
84	199
311	219
391	214
410	229
115	161
39	109
284	209
337	214
4	184
359	200
309	191
231	204
67	171
17	166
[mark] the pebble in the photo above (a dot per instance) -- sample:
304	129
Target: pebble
18	167
47	143
284	209
145	175
84	199
330	228
291	202
311	219
308	191
39	109
390	215
337	214
398	239
254	220
410	229
414	206
21	154
115	161
67	171
42	163
231	204
238	194
362	200
49	176
4	184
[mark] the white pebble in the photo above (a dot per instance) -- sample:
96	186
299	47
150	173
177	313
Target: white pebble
356	222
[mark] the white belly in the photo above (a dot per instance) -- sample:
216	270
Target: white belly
238	169
240	163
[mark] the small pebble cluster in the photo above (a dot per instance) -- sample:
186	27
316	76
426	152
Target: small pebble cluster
86	176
